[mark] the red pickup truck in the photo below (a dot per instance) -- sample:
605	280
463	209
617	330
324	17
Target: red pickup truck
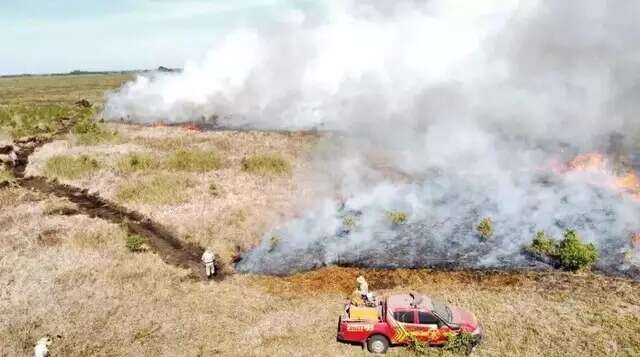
396	316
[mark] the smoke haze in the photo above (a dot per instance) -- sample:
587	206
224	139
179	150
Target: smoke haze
447	111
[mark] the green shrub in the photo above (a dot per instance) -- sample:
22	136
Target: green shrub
70	167
574	254
89	132
136	243
485	228
397	217
136	162
160	189
570	253
543	245
460	343
265	164
195	161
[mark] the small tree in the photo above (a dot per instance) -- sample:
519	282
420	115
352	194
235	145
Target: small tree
574	254
543	245
485	228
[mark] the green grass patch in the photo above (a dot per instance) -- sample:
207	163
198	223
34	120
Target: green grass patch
70	167
133	162
161	189
194	161
31	120
136	243
265	164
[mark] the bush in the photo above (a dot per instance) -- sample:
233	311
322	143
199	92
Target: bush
543	245
195	160
460	343
136	162
485	228
397	217
70	167
89	132
136	243
570	253
265	164
574	254
162	189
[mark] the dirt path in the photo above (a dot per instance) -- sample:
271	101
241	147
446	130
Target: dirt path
171	249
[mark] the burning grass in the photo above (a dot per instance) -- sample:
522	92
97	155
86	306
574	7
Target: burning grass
157	189
195	161
266	164
70	167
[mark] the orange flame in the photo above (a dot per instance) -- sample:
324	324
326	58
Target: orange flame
190	126
627	183
588	162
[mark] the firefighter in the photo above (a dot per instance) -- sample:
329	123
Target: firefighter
208	259
363	287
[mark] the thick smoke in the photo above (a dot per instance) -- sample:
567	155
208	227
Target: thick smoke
446	110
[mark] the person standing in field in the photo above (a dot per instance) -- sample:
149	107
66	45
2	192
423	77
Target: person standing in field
208	259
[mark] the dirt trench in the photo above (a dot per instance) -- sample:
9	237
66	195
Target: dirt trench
170	249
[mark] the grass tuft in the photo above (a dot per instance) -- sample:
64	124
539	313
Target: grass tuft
136	162
194	161
70	167
161	189
136	243
265	164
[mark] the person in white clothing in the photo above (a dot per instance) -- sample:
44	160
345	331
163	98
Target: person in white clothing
208	259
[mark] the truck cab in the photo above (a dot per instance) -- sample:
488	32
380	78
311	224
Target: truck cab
397	319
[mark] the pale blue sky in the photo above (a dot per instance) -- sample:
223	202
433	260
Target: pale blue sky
44	36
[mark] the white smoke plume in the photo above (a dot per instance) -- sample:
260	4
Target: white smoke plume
450	111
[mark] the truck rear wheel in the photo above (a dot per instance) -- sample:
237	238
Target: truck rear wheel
377	344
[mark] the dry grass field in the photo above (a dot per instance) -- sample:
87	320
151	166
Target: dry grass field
72	275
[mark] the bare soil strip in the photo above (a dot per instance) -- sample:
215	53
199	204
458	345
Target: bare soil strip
171	249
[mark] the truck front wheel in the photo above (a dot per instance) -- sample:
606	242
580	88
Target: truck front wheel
377	344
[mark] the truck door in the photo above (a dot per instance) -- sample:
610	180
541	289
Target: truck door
430	328
406	318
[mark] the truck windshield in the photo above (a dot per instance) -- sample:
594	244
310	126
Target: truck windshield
442	310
